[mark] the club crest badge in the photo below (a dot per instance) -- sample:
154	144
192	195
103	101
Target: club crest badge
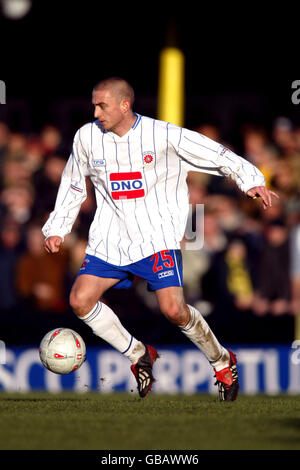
148	158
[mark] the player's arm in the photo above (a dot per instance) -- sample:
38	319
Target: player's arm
71	194
205	155
248	177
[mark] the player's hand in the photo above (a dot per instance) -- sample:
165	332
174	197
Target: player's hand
52	244
264	193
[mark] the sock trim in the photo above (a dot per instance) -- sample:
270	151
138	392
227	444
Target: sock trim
216	360
93	314
128	346
190	323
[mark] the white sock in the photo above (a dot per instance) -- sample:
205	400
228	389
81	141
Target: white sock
105	324
198	331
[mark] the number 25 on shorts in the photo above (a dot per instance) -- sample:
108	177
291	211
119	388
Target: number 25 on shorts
162	258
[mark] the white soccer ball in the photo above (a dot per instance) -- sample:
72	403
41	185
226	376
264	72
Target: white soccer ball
62	351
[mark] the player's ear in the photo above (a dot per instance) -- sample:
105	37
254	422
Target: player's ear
125	105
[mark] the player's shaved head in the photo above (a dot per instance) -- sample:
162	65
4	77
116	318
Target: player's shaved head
118	87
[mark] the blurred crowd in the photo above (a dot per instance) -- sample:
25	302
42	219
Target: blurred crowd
245	279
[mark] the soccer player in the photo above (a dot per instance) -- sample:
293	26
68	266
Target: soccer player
138	166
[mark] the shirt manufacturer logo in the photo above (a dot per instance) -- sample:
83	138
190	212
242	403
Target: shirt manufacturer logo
165	274
99	162
127	185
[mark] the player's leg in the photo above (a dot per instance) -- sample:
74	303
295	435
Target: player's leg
85	300
193	325
94	278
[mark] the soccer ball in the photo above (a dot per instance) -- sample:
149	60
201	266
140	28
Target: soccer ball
62	351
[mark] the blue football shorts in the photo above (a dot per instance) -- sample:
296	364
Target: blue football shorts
160	270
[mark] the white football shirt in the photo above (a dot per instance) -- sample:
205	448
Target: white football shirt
140	186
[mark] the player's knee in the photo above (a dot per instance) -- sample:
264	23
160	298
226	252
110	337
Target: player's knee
75	300
175	312
80	302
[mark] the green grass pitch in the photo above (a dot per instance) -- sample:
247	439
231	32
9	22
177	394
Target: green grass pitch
159	422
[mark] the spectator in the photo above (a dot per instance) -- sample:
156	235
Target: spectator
34	154
259	150
15	173
10	251
227	210
230	275
209	130
15	147
239	282
212	240
286	181
4	139
17	202
284	137
51	139
46	182
41	278
197	184
273	293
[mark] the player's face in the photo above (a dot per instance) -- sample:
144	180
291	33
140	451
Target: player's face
107	109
